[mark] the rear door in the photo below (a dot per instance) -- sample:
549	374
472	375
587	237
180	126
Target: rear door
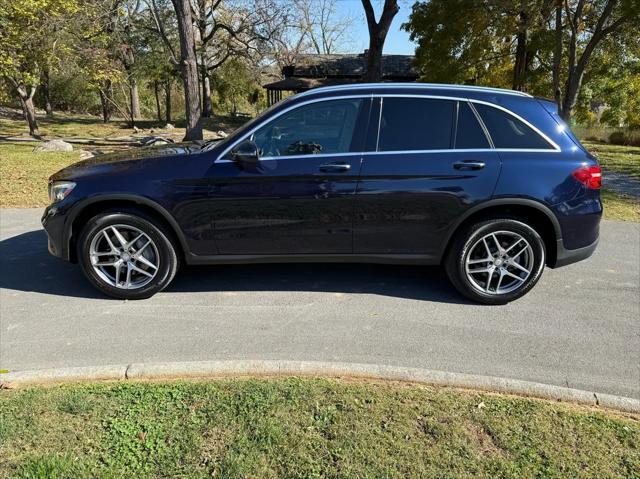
431	161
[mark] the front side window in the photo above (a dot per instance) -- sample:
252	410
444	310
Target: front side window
410	124
322	127
508	132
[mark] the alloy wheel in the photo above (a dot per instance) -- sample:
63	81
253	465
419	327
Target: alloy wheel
499	262
124	256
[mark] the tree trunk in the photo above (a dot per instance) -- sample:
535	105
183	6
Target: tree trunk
572	88
522	41
373	69
577	66
156	91
377	35
167	101
135	98
29	110
208	107
557	55
206	89
106	94
189	70
45	92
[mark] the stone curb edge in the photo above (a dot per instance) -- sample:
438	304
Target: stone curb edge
313	368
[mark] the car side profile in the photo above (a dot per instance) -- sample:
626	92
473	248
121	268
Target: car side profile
489	183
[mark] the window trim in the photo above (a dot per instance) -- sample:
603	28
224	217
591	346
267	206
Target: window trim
381	96
482	125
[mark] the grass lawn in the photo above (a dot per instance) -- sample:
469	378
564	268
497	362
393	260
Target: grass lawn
24	174
305	428
620	207
64	125
621	159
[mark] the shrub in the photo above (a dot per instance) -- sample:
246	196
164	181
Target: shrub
625	137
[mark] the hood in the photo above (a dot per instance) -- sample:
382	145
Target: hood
125	159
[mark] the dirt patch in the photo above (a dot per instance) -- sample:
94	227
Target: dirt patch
484	442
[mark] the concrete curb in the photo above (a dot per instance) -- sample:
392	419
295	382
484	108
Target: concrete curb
312	368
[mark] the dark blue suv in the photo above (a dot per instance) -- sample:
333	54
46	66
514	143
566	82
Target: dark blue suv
490	183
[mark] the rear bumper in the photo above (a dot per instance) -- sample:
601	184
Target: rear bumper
565	256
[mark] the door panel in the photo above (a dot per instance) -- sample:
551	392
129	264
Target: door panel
299	198
285	206
405	203
416	184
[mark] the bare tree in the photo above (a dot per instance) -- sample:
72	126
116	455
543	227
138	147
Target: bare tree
160	22
227	30
309	26
377	35
189	69
326	31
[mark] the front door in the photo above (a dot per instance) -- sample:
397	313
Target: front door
432	161
299	198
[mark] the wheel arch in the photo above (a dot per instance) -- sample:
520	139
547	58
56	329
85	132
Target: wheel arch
86	210
536	214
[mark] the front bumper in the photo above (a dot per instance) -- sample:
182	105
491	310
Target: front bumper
565	256
53	223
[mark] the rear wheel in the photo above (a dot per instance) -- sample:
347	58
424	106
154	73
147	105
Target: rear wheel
126	256
496	261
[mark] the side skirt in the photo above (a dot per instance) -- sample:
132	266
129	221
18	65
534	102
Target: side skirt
313	258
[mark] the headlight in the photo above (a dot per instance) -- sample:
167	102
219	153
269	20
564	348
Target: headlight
59	190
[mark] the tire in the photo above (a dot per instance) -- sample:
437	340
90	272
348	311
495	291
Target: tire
159	252
502	286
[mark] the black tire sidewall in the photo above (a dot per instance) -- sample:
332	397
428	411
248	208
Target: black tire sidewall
456	261
168	259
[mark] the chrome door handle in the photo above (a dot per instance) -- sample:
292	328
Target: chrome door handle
338	167
469	165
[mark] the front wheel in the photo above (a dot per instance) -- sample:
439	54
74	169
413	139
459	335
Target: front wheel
496	261
126	256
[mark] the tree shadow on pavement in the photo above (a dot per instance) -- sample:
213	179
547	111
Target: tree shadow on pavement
26	265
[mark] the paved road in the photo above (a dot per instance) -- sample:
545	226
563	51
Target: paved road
580	327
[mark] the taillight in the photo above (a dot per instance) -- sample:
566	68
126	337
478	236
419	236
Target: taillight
589	176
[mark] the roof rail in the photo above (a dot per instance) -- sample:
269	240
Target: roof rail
444	86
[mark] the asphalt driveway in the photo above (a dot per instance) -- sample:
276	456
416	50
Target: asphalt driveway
580	327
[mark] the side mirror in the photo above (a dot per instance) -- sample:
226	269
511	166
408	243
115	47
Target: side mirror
246	153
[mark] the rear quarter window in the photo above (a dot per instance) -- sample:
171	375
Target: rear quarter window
469	133
508	132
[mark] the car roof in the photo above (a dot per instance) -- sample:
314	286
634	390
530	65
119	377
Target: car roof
414	88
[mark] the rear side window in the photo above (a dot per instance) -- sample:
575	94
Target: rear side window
508	132
415	124
469	133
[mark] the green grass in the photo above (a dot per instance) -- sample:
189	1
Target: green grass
621	159
67	126
620	207
305	428
24	174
